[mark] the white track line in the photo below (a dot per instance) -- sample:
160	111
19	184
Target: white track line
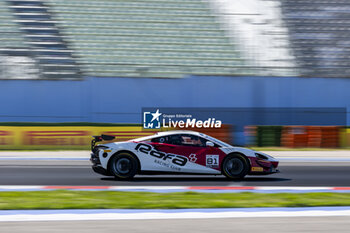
177	215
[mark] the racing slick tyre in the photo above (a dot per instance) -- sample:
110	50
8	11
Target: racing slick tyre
235	166
123	166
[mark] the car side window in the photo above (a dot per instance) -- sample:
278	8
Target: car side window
160	139
182	140
192	140
175	139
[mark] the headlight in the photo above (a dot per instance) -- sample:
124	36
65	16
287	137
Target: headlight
260	156
264	156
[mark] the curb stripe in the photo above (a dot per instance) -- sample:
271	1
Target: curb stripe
341	188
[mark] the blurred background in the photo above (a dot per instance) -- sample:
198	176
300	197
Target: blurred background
70	69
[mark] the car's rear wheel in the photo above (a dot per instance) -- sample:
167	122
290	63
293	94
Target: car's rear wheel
123	166
235	166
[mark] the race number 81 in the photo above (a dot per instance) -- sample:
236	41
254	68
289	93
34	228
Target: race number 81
212	161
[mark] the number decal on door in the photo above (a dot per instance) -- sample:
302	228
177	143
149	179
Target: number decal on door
212	161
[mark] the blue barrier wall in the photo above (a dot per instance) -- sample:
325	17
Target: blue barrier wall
120	100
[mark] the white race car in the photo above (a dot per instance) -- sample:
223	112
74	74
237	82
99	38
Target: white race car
177	152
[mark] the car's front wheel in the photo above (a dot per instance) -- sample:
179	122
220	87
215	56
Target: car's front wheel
235	166
123	166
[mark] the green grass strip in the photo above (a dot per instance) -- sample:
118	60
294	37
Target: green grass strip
64	199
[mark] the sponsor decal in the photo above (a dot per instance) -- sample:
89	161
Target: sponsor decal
193	158
166	164
257	169
6	137
179	160
212	161
67	137
63	137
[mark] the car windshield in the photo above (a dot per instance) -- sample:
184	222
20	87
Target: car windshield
146	138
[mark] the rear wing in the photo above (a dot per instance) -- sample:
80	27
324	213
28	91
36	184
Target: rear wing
103	137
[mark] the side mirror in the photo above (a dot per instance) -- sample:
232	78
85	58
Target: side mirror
209	143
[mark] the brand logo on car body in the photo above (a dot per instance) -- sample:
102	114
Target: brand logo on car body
148	149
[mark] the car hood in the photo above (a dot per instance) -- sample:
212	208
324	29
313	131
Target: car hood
246	151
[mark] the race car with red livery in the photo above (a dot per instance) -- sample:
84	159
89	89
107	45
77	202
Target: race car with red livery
177	152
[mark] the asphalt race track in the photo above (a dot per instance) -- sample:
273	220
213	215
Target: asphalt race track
80	173
28	172
276	224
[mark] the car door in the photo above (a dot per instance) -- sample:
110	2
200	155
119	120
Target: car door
200	158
